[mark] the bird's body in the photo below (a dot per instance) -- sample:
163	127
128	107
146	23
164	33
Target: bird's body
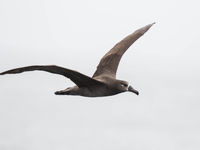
108	88
103	82
92	91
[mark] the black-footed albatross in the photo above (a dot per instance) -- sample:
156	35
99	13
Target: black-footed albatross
103	82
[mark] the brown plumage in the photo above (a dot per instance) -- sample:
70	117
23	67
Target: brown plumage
103	82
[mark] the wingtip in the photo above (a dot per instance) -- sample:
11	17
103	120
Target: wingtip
3	73
152	24
147	27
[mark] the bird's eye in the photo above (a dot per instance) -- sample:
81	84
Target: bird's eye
123	85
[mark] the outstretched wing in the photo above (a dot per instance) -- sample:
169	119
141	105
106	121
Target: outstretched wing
110	61
79	79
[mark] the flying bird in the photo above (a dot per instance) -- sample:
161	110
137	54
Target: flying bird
103	82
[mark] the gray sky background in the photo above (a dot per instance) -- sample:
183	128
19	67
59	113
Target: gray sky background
163	65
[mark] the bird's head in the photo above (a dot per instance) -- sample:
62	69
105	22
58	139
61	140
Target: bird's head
124	86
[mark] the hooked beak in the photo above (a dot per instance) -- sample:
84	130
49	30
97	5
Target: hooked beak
131	89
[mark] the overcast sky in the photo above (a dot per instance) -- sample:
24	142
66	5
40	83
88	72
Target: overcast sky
163	65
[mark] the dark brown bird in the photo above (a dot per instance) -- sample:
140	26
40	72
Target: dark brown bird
103	82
